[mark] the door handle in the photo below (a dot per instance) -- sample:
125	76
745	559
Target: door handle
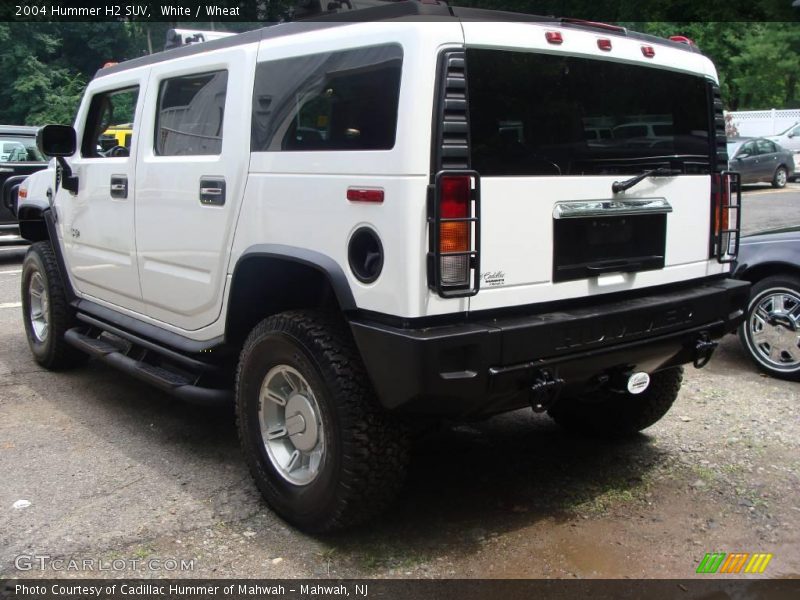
119	186
212	191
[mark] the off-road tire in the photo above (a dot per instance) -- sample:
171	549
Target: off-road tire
786	283
616	414
780	178
366	450
52	352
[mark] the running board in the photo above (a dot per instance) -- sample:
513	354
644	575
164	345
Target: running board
172	382
190	363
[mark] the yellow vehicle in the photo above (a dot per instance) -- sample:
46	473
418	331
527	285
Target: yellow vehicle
117	135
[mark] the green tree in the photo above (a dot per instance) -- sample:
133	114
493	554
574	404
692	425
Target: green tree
758	63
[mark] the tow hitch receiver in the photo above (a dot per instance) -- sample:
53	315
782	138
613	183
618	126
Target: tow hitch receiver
703	350
545	390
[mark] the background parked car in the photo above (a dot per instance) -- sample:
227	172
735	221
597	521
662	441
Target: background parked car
18	157
760	160
771	332
789	139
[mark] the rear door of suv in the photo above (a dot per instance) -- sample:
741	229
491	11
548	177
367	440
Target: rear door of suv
191	174
551	226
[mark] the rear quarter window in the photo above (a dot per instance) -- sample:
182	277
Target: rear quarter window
334	101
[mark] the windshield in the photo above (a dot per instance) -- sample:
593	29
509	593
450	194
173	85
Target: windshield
789	129
19	149
543	114
733	148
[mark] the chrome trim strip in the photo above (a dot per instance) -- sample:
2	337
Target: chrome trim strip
580	209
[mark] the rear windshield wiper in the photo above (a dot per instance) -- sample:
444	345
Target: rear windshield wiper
621	186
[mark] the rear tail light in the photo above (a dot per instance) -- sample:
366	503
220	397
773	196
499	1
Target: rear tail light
725	216
648	51
455	234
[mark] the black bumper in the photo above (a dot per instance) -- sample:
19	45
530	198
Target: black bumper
487	363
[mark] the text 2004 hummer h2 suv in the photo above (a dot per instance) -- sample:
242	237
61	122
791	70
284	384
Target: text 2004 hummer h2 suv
352	228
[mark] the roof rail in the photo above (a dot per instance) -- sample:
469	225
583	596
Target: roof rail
367	10
183	37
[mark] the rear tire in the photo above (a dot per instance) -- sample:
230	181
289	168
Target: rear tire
780	177
45	311
615	414
322	451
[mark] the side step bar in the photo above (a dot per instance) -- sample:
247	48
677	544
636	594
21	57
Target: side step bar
173	382
189	363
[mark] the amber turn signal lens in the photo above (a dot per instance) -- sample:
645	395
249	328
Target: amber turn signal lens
454	237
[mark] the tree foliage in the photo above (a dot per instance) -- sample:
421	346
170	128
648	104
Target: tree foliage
44	67
758	63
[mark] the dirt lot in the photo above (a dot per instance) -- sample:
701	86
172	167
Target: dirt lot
114	470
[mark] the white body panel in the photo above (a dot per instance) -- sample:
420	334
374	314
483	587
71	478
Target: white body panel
517	237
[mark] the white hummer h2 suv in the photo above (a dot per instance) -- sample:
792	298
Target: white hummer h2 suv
351	228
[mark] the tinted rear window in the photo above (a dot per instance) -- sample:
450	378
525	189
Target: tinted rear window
19	149
333	101
539	114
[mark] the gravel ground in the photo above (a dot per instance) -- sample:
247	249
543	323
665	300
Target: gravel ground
116	471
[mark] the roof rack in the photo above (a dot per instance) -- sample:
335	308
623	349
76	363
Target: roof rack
183	37
368	10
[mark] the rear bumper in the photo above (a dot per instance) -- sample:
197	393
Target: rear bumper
486	363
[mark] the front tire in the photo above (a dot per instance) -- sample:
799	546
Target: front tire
780	177
323	453
615	414
45	310
771	332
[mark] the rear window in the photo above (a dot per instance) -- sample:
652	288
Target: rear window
580	116
19	149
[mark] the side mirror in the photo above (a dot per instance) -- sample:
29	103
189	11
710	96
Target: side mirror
742	155
56	140
791	134
59	141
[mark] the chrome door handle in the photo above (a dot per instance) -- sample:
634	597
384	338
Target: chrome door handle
119	186
212	191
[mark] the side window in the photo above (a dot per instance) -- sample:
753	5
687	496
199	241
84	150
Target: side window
796	130
749	148
191	110
108	112
334	101
765	147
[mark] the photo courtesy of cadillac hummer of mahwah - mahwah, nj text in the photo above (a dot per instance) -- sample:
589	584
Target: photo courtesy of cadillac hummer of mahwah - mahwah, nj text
355	229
